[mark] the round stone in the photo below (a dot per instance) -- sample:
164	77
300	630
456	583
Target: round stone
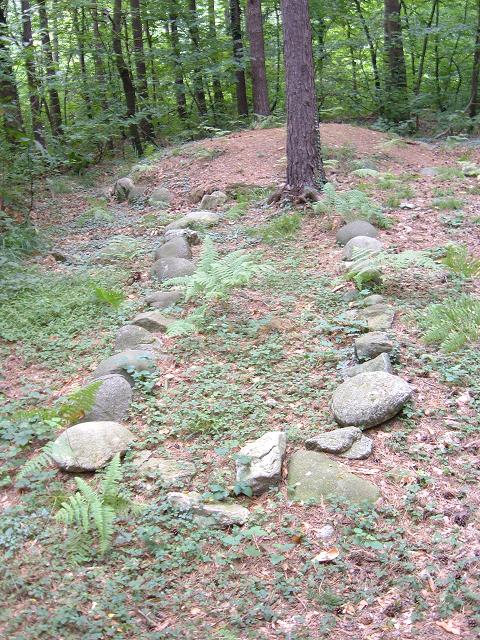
356	228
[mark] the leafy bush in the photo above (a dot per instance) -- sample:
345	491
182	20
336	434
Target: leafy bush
453	323
351	205
18	238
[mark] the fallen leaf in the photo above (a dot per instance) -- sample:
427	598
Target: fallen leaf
448	626
327	556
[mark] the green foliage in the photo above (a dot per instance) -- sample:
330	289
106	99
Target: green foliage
284	227
193	323
42	459
18	238
89	511
121	248
216	277
110	297
448	203
453	323
351	205
461	262
366	173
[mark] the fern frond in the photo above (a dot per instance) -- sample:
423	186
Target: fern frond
111	297
461	262
78	403
111	477
351	205
453	323
44	458
366	173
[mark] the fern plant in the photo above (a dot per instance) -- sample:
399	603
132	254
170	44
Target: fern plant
215	277
94	512
111	297
282	228
459	260
453	323
351	205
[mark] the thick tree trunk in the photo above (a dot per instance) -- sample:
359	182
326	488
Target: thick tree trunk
178	71
257	58
198	84
240	83
212	34
50	67
396	103
474	101
304	162
141	68
125	76
31	73
9	99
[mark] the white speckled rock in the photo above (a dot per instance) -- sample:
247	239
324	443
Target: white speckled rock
369	399
264	467
224	514
361	243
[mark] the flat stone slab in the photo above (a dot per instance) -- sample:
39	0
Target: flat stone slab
354	229
378	317
163	299
369	399
361	243
112	400
380	363
190	235
123	362
213	200
174	248
314	477
130	336
360	449
260	462
171	472
375	298
336	441
195	218
152	321
90	445
220	513
167	268
372	344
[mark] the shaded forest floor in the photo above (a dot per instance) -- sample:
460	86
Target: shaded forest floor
407	569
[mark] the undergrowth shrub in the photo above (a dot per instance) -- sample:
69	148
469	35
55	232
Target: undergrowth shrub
461	262
453	323
351	205
284	227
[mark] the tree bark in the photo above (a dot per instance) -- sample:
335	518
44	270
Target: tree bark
396	104
240	83
9	98
125	76
424	49
257	58
51	71
198	84
304	161
31	73
178	71
146	126
474	102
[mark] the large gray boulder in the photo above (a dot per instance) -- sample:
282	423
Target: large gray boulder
369	399
336	441
90	445
361	243
380	363
356	228
372	344
169	471
174	248
163	299
220	513
130	336
122	188
167	268
152	321
160	196
112	400
125	361
260	462
213	200
195	218
314	477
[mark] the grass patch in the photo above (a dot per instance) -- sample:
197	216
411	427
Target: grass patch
448	203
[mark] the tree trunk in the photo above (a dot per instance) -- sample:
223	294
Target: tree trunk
55	109
373	56
175	44
31	73
212	34
146	126
304	161
198	85
424	49
396	104
240	84
474	102
80	35
257	58
125	76
9	99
